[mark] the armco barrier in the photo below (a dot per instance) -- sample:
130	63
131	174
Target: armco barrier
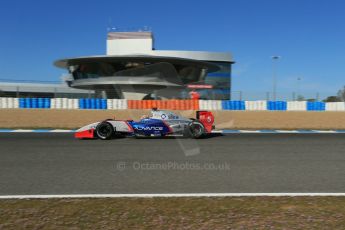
335	106
233	105
277	105
316	106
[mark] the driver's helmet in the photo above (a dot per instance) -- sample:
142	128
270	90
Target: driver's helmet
163	115
145	116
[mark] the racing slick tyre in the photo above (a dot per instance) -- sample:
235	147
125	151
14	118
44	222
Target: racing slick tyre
195	130
104	130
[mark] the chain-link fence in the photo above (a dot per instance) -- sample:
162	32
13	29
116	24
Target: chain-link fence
280	96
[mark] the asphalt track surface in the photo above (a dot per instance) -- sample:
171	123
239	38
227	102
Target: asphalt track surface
56	163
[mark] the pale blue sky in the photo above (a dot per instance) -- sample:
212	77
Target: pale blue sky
309	35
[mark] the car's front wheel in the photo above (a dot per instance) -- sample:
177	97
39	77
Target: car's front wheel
104	130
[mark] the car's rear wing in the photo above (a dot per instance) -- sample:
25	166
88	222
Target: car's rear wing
207	119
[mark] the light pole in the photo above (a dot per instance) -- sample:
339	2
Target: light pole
298	88
274	67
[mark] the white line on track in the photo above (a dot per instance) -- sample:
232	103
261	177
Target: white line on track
61	131
324	131
22	131
217	131
166	195
249	131
286	131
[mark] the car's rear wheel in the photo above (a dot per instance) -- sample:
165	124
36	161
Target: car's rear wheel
195	130
104	130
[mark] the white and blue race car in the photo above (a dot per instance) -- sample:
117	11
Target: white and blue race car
159	123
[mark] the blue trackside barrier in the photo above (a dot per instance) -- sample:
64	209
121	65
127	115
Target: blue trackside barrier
21	102
27	103
40	103
34	103
225	105
277	105
316	106
103	103
47	103
270	105
87	104
233	105
92	103
43	103
97	103
82	103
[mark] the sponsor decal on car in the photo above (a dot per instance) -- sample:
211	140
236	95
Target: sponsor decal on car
172	117
150	128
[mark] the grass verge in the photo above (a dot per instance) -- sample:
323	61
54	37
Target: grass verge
175	213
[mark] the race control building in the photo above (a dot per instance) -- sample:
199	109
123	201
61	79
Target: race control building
134	69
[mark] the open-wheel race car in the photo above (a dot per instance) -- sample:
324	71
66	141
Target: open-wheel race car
159	123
